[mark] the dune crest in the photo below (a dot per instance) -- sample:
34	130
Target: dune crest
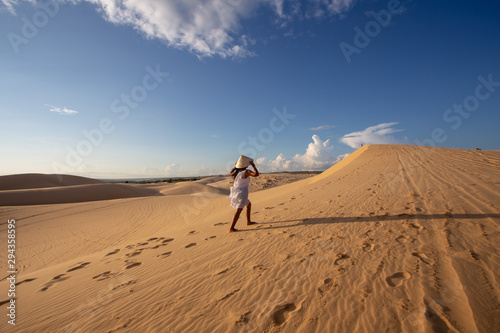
38	180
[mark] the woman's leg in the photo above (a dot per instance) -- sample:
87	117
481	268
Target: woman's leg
249	211
235	219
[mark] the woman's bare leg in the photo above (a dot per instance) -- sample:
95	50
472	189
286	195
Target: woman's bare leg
249	211
235	219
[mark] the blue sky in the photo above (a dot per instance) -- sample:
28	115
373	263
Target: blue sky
156	88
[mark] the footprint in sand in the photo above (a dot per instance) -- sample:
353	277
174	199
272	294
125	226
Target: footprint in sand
27	280
416	226
6	301
134	245
342	259
124	284
104	276
112	252
190	245
191	232
222	271
133	254
82	265
365	293
164	255
367	246
152	239
243	318
211	237
403	239
220	224
55	279
422	257
397	279
281	314
131	264
325	286
168	240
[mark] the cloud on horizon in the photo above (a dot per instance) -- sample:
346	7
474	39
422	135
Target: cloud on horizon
318	156
64	110
379	134
206	28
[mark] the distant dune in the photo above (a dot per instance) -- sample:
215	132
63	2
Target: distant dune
37	180
40	189
391	239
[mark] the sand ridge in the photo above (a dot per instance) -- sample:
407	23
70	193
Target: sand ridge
35	180
395	239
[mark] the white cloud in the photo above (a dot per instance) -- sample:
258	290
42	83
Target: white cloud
204	27
337	6
171	169
63	110
278	7
318	156
320	128
379	134
261	160
9	5
323	8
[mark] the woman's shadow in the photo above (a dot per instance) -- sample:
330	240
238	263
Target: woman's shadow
366	219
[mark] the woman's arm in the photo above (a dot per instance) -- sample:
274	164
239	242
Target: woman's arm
253	173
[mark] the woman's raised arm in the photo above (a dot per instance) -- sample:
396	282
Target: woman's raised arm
253	173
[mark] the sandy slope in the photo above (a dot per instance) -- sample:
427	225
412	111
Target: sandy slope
36	180
391	239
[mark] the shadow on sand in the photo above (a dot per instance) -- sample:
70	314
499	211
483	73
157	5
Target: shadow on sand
365	219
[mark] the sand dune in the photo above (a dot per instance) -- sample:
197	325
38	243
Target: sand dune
40	189
36	180
391	239
191	188
69	194
265	181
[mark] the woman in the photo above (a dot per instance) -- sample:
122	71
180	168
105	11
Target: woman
239	190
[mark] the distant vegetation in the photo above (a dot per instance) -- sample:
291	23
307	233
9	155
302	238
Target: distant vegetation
167	180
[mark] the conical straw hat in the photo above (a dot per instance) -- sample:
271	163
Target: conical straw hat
243	161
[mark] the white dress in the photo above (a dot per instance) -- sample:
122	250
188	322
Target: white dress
239	191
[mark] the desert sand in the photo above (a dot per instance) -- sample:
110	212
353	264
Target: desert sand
391	239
